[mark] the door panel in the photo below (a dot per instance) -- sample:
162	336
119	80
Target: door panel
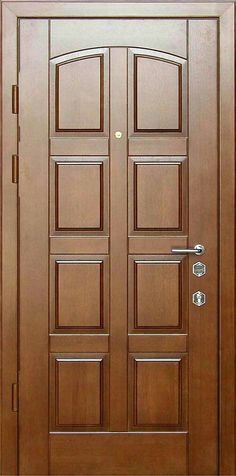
131	172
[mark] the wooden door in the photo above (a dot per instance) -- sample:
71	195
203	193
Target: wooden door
118	165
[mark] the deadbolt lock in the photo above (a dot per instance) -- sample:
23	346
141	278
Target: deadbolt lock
199	269
199	298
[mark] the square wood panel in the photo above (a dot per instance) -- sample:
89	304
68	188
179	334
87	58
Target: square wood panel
78	391
79	195
156	294
157	195
158	390
79	294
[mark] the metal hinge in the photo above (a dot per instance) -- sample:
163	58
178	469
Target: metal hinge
15	99
15	168
14	397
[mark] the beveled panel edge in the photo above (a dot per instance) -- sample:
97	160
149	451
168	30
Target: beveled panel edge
182	360
103	360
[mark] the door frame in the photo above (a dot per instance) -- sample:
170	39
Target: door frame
225	13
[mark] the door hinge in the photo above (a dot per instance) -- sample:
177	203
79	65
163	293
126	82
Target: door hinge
15	168
14	397
15	99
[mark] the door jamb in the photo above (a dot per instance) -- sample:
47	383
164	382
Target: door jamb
11	11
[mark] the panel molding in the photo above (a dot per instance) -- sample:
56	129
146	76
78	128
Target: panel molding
69	58
59	360
165	57
176	359
181	262
73	260
181	163
66	161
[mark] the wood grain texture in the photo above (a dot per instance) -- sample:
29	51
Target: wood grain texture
79	95
33	330
79	245
158	391
158	195
119	453
155	81
97	33
79	343
203	228
118	242
79	195
9	206
78	392
227	458
157	286
79	294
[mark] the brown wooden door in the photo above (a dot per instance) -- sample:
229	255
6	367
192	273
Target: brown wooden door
118	165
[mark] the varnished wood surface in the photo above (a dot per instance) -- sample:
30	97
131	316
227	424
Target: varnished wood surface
33	331
138	454
141	245
203	321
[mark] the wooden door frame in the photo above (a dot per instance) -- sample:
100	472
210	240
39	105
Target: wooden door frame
224	12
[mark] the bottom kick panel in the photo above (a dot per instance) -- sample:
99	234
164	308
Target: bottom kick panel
119	453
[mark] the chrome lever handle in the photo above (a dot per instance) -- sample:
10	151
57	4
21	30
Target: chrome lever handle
197	250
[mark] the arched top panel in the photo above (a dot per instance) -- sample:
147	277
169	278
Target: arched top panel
158	91
79	81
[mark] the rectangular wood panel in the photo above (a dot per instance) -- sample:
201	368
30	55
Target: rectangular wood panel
79	294
79	145
157	286
149	454
78	392
158	391
79	245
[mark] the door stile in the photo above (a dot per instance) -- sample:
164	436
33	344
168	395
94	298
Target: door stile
118	240
9	247
33	273
203	228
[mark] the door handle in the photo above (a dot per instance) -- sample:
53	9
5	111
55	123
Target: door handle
197	250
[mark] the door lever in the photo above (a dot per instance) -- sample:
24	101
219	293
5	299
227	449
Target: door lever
197	250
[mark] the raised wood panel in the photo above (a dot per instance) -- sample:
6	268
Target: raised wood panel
119	453
151	33
156	296
158	95
79	294
158	391
79	94
79	195
78	391
157	195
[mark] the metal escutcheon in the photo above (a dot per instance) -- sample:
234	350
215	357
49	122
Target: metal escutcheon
118	135
199	298
199	269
